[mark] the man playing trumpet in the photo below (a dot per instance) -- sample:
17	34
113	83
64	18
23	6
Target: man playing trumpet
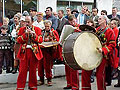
29	53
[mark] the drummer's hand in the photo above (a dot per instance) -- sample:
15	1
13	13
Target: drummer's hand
99	50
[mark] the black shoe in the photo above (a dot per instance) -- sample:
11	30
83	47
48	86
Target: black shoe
92	80
8	71
39	83
0	71
108	84
67	87
117	85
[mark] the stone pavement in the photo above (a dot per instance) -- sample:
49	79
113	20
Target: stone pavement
58	84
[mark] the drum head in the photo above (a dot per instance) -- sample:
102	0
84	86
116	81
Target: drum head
85	52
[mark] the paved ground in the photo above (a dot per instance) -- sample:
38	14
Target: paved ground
58	84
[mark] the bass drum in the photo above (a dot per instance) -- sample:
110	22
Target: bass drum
80	51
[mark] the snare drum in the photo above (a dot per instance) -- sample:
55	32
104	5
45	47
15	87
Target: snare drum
80	51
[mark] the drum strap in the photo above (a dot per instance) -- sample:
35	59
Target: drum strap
103	31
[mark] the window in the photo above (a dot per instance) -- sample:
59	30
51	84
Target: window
11	7
1	5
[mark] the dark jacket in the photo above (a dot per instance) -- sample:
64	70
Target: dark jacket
61	24
53	19
110	16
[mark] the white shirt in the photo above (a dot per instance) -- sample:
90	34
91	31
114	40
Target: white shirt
39	24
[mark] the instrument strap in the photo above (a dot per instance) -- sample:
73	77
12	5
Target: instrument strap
103	31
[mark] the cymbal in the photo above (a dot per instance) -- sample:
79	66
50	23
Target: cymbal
87	28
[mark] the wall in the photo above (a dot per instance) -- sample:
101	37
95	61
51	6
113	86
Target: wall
42	4
105	5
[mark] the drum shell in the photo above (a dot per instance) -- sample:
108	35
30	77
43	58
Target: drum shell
68	51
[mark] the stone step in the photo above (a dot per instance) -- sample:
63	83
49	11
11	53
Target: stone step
58	70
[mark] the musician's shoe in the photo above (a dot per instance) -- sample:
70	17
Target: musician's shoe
14	70
75	89
39	83
49	83
67	87
117	85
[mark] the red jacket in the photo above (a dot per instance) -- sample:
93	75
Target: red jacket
108	45
116	58
57	53
34	42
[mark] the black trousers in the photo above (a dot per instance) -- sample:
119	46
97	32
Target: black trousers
7	55
108	71
118	76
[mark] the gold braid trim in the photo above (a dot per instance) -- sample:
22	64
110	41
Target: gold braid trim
22	38
33	28
106	57
39	37
107	48
112	41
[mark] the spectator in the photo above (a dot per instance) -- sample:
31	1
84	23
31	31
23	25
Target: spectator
13	28
61	21
6	22
82	17
55	14
33	12
17	45
103	12
39	22
68	10
75	12
94	16
88	13
25	13
5	48
50	16
114	13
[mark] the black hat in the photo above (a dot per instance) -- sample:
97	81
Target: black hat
33	9
4	27
75	10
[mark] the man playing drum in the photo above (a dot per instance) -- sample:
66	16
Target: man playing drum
108	44
72	76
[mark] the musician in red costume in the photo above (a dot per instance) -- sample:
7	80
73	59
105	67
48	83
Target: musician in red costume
29	53
108	44
111	67
114	24
72	76
49	53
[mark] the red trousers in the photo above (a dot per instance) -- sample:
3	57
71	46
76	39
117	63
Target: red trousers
45	64
100	75
72	77
28	63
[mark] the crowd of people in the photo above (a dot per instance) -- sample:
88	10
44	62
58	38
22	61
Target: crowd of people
22	35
